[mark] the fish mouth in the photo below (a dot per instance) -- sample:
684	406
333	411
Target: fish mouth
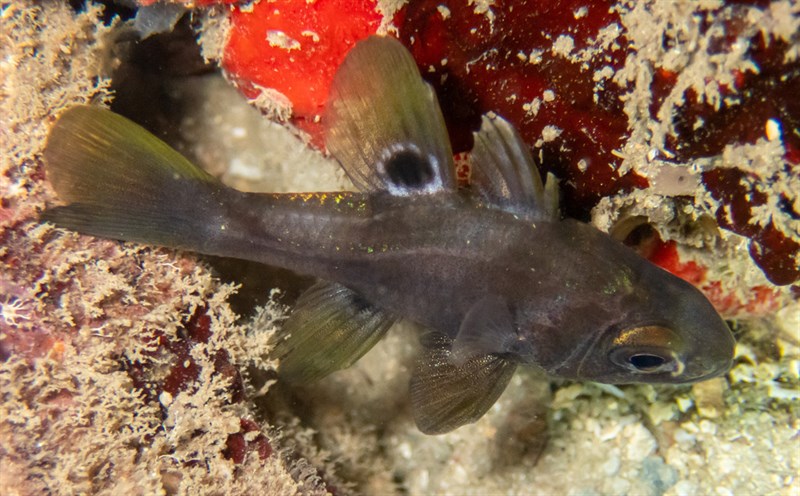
711	372
717	361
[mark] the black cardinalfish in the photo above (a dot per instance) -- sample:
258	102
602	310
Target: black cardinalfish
492	273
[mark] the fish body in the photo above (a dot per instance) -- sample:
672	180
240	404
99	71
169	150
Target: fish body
492	273
433	258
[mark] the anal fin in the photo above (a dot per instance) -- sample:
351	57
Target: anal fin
445	395
330	328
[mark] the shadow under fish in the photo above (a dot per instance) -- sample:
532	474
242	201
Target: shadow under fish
492	273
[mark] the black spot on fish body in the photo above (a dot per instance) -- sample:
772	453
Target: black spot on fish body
407	169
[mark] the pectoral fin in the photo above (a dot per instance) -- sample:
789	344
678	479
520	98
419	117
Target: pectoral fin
445	396
330	328
384	125
504	174
487	329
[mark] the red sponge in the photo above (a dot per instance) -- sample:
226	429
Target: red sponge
295	46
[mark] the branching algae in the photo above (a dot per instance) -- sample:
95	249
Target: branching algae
492	273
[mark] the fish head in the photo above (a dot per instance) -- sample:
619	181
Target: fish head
633	322
674	336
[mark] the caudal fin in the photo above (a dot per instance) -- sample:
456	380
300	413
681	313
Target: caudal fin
122	182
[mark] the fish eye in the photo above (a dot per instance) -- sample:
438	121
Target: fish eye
646	350
643	361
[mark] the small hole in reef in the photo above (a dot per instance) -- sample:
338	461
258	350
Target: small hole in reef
787	206
408	169
639	235
149	76
643	238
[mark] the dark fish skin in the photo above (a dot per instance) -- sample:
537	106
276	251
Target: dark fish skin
430	259
492	273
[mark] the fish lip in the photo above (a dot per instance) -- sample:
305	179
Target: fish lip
670	378
718	371
710	375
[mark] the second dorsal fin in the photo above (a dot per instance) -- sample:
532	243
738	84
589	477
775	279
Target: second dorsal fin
383	123
504	175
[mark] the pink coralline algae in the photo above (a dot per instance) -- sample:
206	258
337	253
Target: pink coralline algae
237	445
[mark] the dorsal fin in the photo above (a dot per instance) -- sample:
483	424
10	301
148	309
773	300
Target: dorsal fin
383	123
504	175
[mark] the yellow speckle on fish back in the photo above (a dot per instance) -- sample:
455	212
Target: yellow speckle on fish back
621	283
